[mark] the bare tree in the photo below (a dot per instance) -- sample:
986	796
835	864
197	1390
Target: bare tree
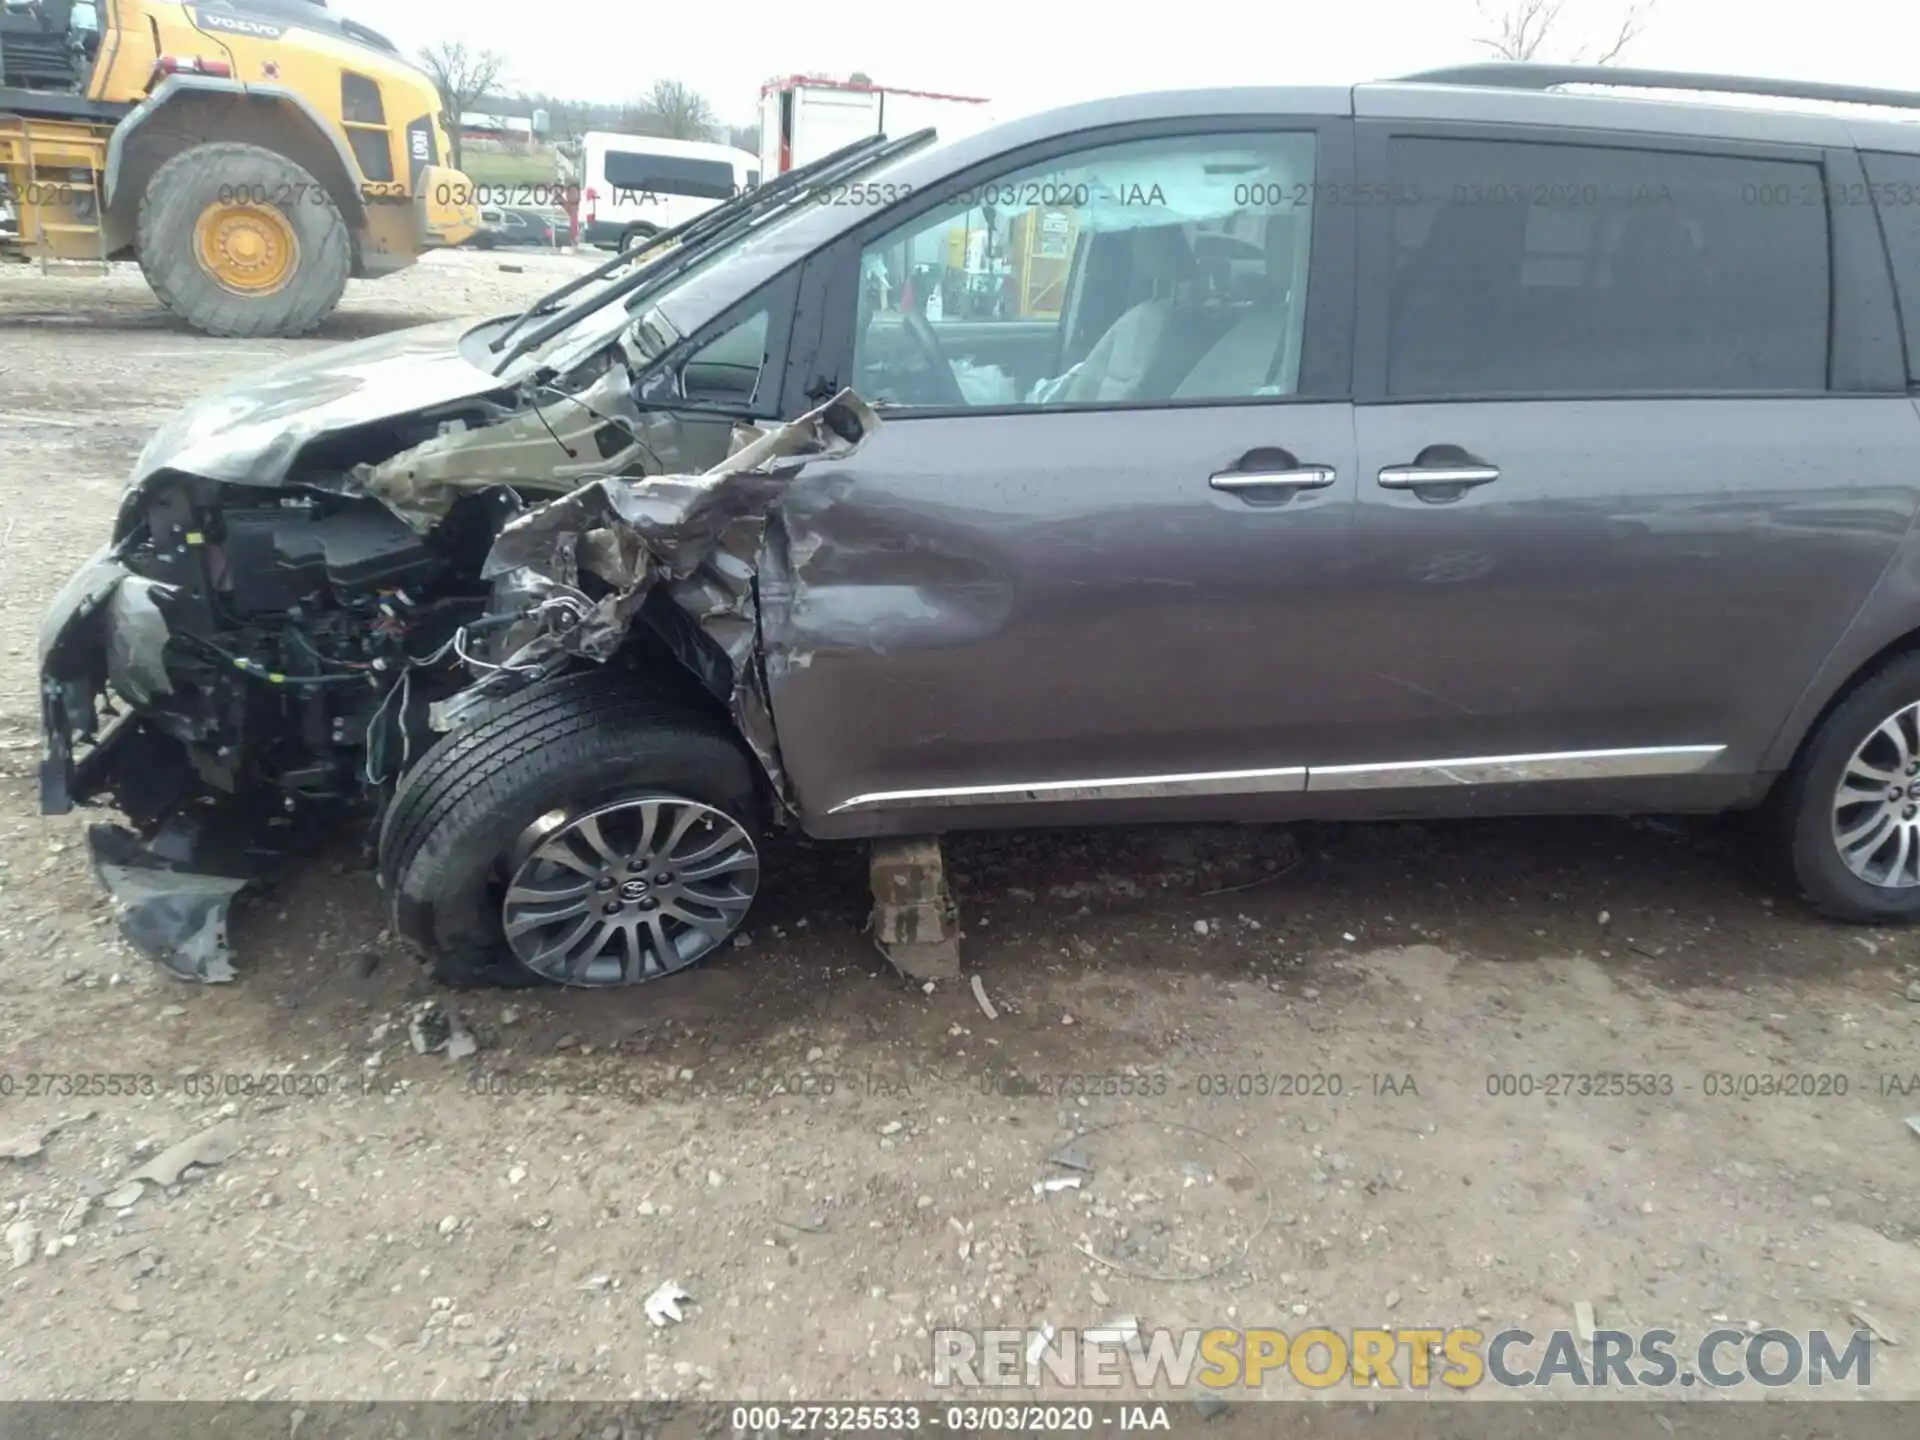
1523	30
676	111
1631	24
1519	30
461	76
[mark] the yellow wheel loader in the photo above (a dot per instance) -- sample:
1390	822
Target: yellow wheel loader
251	154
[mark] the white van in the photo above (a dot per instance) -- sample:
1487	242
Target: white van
634	186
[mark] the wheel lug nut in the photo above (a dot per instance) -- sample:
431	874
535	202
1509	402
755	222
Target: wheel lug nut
604	883
1909	812
612	907
648	903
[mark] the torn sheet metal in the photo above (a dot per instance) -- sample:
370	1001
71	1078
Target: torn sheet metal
175	918
172	892
560	440
580	567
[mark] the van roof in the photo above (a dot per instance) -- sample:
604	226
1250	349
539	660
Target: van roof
661	145
1656	101
1573	97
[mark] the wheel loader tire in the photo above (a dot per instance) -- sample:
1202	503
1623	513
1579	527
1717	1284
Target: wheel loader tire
239	241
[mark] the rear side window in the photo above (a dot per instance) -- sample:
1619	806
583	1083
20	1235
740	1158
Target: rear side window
1539	269
669	175
1896	193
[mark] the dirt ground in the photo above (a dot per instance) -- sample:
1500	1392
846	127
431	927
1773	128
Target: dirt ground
833	1162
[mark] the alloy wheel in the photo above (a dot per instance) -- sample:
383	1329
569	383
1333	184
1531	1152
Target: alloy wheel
1876	806
627	892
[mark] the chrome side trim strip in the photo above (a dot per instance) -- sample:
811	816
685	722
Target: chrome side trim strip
1291	779
1517	769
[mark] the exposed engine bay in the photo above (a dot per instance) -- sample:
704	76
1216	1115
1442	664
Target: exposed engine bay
303	637
261	660
248	663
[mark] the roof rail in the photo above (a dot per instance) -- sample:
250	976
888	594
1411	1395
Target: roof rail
1521	75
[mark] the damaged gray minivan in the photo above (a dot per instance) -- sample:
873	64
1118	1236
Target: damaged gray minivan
1440	446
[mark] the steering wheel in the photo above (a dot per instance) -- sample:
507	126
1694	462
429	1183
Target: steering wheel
945	383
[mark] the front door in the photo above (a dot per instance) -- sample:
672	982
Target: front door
1093	562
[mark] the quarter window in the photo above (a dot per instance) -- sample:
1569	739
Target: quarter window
1150	272
1562	269
727	369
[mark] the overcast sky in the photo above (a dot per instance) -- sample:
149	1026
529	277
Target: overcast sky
1032	54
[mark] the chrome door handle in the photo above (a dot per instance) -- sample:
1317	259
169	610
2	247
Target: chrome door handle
1410	477
1304	477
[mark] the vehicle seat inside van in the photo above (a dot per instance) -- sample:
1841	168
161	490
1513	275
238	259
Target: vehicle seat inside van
1143	353
1248	358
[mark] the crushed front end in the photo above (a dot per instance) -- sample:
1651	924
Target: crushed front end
241	665
247	663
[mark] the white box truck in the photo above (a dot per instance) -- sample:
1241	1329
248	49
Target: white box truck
803	118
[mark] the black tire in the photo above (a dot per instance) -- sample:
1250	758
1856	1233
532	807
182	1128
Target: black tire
638	235
1804	806
572	743
181	190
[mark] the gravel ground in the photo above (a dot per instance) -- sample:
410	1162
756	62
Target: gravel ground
832	1162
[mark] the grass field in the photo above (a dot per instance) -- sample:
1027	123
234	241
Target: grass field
486	165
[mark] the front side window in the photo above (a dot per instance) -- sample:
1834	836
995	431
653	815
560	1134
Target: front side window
1149	272
1562	269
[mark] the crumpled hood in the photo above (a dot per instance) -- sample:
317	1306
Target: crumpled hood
251	432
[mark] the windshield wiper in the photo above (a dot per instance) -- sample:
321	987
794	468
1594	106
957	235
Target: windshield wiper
690	231
698	242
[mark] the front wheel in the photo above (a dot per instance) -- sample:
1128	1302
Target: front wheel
237	240
1850	811
588	832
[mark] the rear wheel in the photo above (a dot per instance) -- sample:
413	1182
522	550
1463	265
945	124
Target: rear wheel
1850	811
240	241
588	832
638	235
